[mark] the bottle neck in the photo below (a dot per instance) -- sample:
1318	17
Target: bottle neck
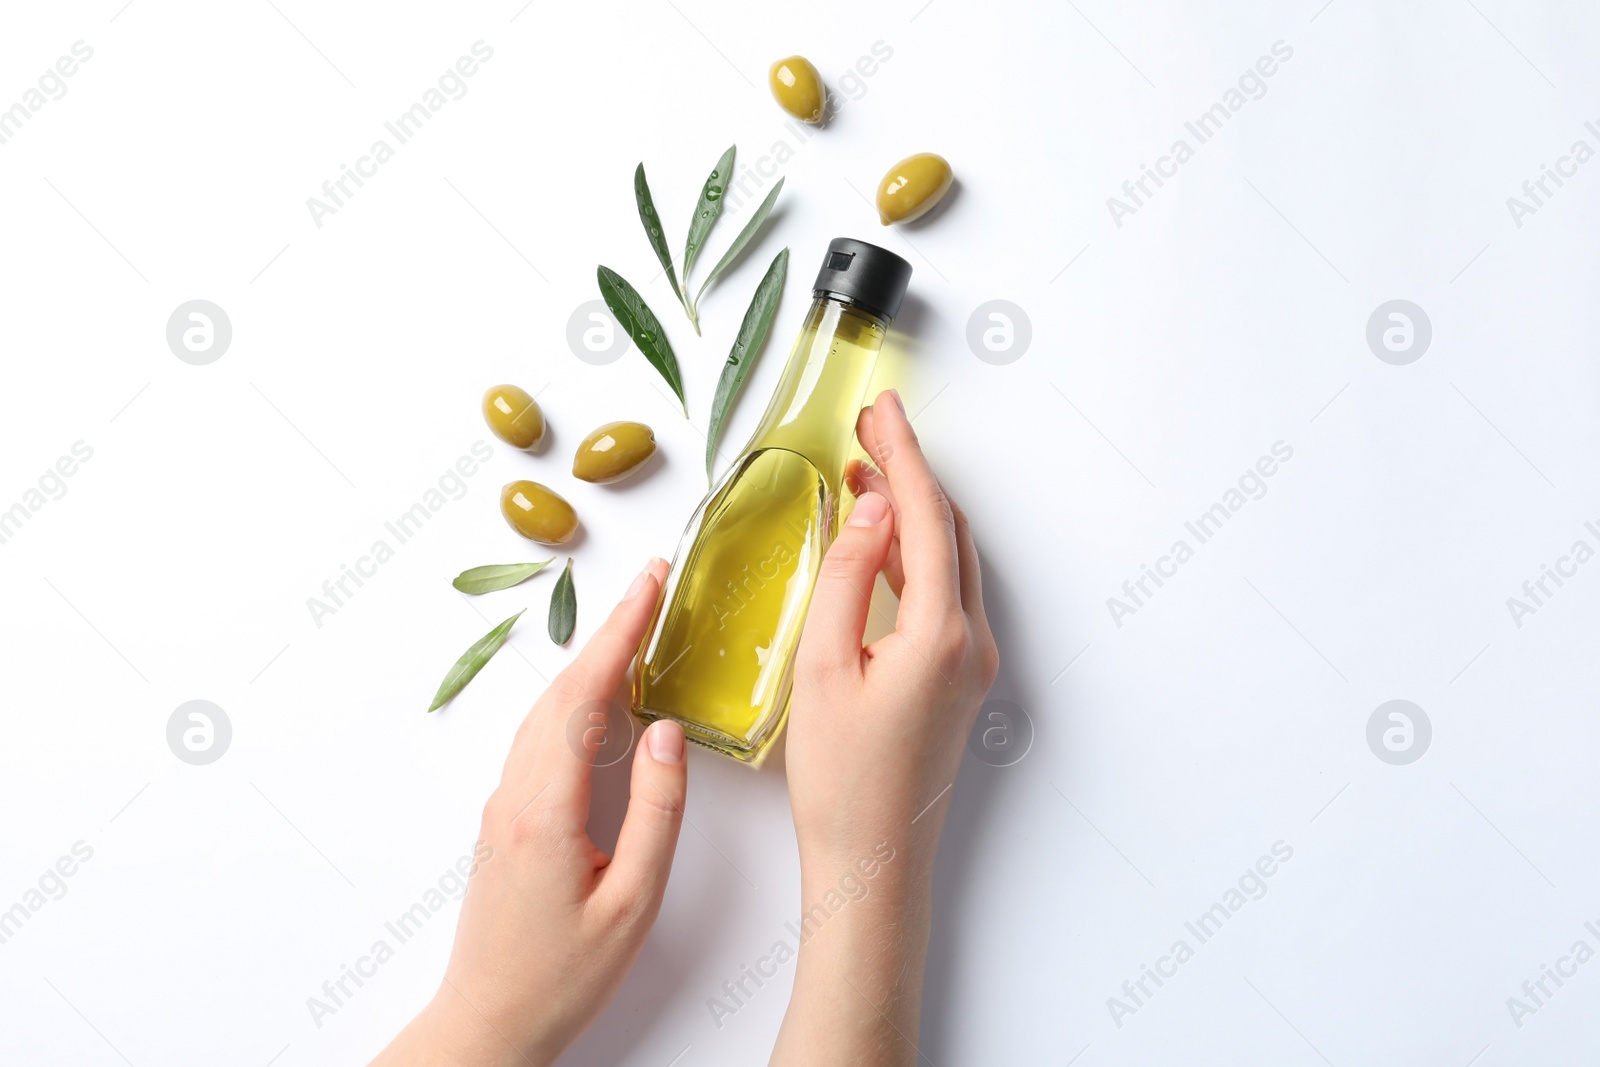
813	411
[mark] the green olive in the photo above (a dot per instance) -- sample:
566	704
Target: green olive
912	187
514	417
613	452
537	513
798	88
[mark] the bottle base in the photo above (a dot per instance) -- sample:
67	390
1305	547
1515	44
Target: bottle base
752	754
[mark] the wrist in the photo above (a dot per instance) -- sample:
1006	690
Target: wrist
452	1030
901	817
863	937
864	910
892	853
870	868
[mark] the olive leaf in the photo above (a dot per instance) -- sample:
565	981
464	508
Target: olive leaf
652	230
745	236
563	607
471	662
706	210
497	576
746	346
636	317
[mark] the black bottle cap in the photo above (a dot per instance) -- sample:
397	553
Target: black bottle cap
863	274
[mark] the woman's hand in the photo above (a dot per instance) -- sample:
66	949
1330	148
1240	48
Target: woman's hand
876	736
550	924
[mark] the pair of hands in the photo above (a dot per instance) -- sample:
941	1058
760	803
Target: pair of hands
551	925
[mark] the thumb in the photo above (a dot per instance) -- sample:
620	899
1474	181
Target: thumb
637	876
838	616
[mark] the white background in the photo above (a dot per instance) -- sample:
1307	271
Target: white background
1167	355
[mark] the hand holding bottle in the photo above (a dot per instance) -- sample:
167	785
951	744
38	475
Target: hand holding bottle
550	924
876	736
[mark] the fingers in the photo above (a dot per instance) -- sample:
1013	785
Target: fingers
863	478
551	749
971	576
597	670
926	521
838	614
865	433
636	878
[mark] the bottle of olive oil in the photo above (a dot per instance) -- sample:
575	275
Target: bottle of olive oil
720	653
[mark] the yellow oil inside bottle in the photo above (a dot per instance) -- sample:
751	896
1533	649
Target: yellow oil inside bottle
720	655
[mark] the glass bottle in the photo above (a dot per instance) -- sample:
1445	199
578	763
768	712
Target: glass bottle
719	656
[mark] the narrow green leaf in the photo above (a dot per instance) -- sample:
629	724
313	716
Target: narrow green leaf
471	662
641	323
652	230
706	210
563	607
497	576
746	346
745	236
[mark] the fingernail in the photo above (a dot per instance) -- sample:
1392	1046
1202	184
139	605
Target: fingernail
901	404
638	583
666	741
869	511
